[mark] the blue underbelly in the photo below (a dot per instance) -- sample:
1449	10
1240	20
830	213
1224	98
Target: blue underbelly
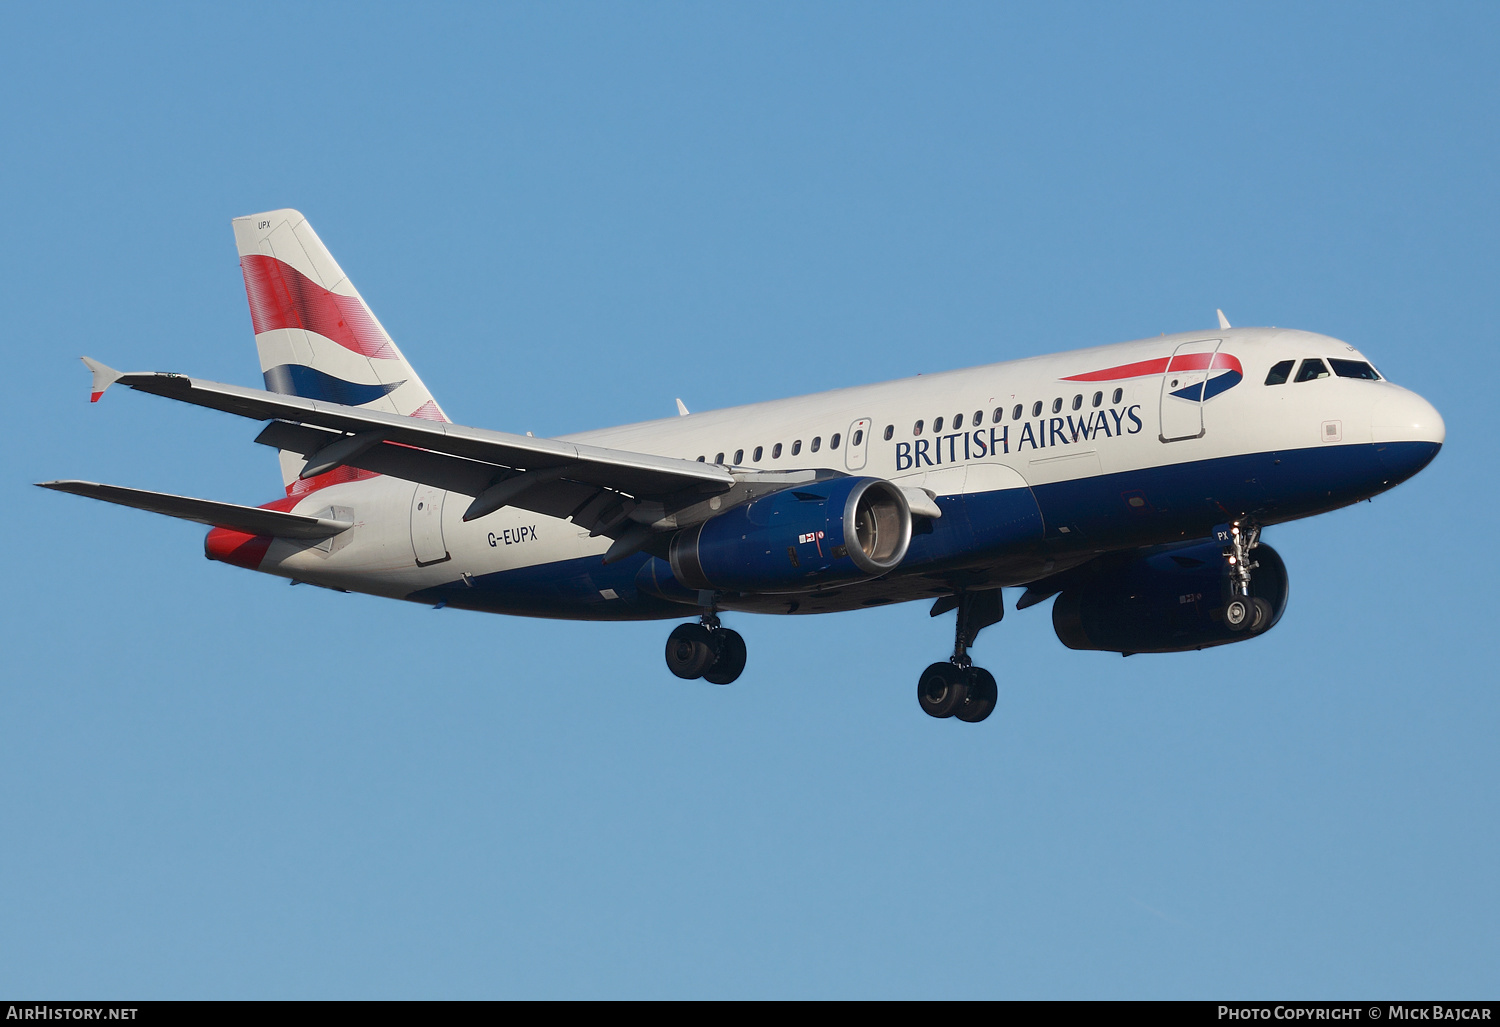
1012	528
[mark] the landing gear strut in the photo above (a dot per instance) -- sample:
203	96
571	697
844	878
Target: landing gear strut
1243	612
958	688
706	650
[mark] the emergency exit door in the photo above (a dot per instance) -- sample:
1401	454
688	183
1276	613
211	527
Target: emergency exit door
857	444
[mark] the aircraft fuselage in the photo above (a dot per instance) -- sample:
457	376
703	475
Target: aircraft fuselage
1036	465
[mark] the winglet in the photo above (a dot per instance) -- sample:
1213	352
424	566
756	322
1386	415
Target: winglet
1223	321
682	410
104	377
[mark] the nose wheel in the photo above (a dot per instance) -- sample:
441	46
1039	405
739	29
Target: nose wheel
958	688
706	650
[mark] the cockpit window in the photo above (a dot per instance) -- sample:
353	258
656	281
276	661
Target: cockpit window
1310	369
1280	373
1353	369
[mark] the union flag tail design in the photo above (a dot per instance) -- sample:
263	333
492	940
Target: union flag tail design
316	336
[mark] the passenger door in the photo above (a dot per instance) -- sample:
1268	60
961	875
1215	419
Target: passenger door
1182	390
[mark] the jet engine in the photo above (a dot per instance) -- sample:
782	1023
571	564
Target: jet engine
797	539
1167	599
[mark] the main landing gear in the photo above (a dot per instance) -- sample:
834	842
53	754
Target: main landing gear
1243	612
958	688
706	650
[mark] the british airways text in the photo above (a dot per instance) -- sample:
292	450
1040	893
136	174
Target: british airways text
1042	433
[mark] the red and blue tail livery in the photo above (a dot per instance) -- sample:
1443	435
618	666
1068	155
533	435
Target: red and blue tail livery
317	337
1134	497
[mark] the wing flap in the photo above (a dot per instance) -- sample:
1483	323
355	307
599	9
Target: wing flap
558	498
250	519
450	473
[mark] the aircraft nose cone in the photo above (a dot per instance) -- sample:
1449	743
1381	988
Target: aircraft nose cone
1403	416
1407	432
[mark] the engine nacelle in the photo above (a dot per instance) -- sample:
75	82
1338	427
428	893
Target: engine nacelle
1167	600
798	539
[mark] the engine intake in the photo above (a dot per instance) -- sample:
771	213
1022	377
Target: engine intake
1169	599
800	538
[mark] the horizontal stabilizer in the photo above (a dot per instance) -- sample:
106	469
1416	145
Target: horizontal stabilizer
250	519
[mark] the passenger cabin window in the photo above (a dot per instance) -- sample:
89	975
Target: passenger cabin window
978	418
758	451
817	443
1311	369
916	429
937	426
1015	415
796	447
859	436
701	460
1078	402
776	451
1280	373
739	456
890	430
1098	398
999	414
1057	405
719	459
833	443
958	421
1036	409
1353	369
1119	395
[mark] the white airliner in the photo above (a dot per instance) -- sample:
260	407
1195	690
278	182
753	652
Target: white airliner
1131	481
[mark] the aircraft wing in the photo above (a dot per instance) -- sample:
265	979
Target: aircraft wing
635	473
250	519
608	491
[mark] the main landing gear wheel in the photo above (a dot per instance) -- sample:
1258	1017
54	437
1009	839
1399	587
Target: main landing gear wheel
689	651
981	695
708	651
729	656
942	689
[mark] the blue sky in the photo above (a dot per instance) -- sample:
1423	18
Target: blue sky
213	785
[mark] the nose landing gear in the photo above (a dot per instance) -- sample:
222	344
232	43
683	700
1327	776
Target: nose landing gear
706	650
1243	612
957	688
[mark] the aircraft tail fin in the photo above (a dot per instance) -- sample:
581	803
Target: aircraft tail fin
316	336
